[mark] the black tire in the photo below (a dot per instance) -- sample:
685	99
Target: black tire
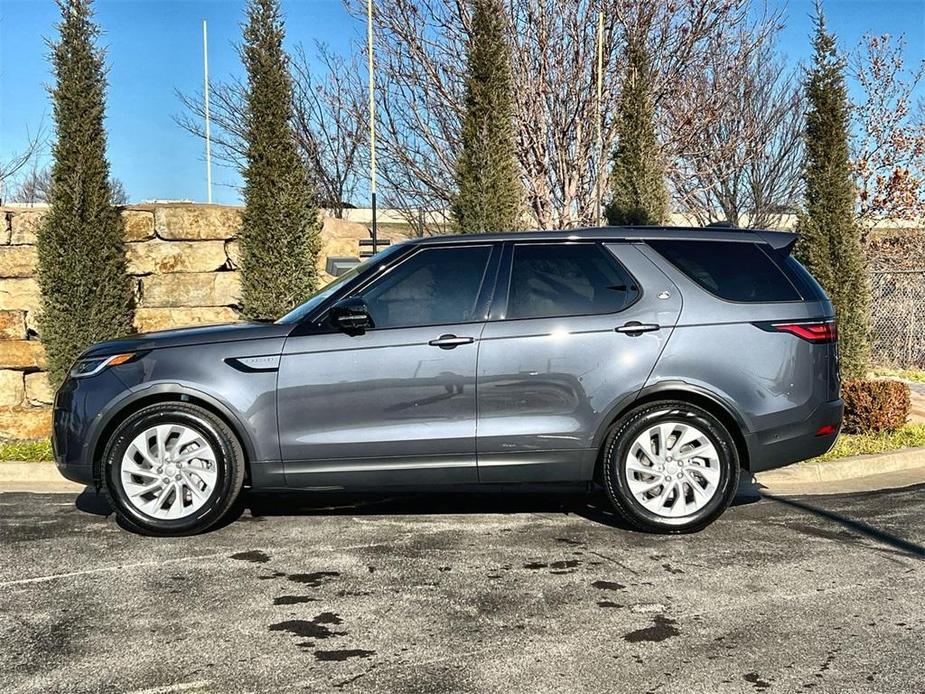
617	448
229	457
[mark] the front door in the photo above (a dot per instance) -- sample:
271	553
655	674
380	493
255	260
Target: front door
578	336
395	405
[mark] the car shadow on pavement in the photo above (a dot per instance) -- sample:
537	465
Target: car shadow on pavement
93	502
592	506
860	527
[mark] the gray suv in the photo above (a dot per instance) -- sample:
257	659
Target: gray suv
655	363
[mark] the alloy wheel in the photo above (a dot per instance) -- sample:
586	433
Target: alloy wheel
673	469
169	471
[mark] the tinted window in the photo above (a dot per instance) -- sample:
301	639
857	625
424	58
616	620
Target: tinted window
550	280
314	300
802	280
730	270
432	287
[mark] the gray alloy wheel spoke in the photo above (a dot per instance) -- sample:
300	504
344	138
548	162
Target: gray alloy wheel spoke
134	490
192	485
672	469
169	471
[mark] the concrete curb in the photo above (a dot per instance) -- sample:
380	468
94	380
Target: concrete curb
845	468
16	476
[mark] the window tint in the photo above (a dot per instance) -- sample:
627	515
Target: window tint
730	270
434	286
315	299
549	280
802	280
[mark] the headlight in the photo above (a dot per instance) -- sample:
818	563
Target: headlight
90	366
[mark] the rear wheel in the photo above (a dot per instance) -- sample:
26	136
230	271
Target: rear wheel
670	467
173	469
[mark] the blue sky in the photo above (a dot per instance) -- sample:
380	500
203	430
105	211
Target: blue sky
154	49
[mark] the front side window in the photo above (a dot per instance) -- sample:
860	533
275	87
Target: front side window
436	286
315	299
731	270
550	280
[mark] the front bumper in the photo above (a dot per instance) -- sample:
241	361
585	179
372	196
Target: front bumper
788	444
80	406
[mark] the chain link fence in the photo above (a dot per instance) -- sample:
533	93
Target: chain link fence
897	318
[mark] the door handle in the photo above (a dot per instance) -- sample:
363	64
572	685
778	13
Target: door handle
636	328
451	341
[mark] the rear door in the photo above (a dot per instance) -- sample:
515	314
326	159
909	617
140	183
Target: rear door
576	329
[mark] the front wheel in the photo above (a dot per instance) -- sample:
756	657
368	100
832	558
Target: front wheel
173	469
670	467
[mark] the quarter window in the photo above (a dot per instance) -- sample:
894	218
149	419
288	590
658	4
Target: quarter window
736	271
433	287
550	280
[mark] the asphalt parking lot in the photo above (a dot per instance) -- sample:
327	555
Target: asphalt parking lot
484	594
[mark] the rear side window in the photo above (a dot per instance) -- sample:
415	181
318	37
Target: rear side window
550	280
730	270
802	280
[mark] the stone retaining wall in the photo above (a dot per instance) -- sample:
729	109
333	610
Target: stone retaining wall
184	260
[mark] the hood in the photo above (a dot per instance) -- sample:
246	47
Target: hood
181	337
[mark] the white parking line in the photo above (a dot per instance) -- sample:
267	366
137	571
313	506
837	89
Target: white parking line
171	688
104	569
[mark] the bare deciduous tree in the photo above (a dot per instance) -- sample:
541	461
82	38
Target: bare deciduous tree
226	113
419	44
329	122
420	49
13	163
888	153
35	187
743	164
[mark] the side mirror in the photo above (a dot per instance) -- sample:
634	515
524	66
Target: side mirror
351	315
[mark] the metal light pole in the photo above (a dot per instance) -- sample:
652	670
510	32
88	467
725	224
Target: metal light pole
205	71
600	115
372	120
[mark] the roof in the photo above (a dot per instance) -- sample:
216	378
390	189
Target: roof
777	239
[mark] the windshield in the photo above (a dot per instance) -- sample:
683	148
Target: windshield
315	300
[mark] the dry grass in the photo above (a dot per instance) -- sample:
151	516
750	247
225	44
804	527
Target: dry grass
908	436
916	375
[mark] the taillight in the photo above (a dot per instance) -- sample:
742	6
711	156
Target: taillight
819	332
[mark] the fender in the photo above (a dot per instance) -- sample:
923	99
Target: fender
651	391
115	409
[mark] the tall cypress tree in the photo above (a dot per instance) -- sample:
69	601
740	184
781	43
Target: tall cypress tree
487	174
281	225
86	291
830	239
637	178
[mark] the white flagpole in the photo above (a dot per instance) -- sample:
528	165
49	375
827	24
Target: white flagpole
372	119
205	70
600	115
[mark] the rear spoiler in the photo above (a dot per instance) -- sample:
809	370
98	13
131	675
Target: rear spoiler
780	241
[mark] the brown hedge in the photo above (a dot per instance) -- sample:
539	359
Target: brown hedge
872	406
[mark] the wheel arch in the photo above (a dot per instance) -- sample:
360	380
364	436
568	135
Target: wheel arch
684	392
161	394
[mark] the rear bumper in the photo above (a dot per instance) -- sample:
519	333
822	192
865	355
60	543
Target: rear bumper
774	448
